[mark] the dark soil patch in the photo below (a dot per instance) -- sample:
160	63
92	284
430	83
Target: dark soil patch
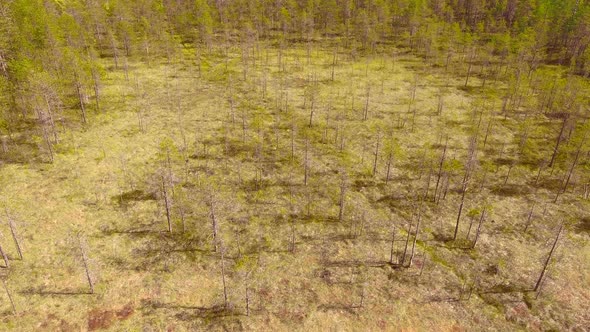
102	319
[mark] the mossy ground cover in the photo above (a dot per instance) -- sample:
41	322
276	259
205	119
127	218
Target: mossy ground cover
239	129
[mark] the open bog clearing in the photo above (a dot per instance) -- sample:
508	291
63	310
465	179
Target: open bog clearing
300	188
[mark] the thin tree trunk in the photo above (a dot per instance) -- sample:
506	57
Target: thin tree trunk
6	262
306	162
376	156
9	297
14	236
387	176
167	205
460	211
213	222
556	149
440	167
342	198
571	170
409	231
247	297
366	113
81	100
477	232
86	268
528	220
392	251
415	236
225	297
540	280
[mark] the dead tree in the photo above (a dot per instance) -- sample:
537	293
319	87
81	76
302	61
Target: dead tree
376	154
306	162
485	139
440	168
540	280
529	218
477	232
6	263
392	251
82	247
81	98
342	199
9	297
574	163
440	105
470	65
464	191
408	232
416	235
412	98
213	217
248	293
423	263
167	205
223	277
366	112
512	164
334	61
15	237
559	139
389	162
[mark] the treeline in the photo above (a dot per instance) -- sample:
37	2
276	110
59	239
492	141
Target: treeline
50	49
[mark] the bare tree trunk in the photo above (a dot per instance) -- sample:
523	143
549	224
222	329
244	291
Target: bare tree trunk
440	105
460	211
247	295
571	170
540	280
306	162
9	297
6	263
392	251
508	174
225	296
416	235
528	220
376	156
423	263
556	149
334	61
469	69
366	113
51	121
409	231
14	236
440	168
481	219
342	197
213	221
167	205
46	135
85	262
485	139
81	100
389	160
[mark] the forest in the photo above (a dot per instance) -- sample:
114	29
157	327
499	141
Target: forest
286	165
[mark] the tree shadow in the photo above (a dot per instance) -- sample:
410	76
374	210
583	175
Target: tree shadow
50	292
339	307
355	263
187	312
583	225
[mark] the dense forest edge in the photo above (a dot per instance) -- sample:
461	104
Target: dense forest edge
51	51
